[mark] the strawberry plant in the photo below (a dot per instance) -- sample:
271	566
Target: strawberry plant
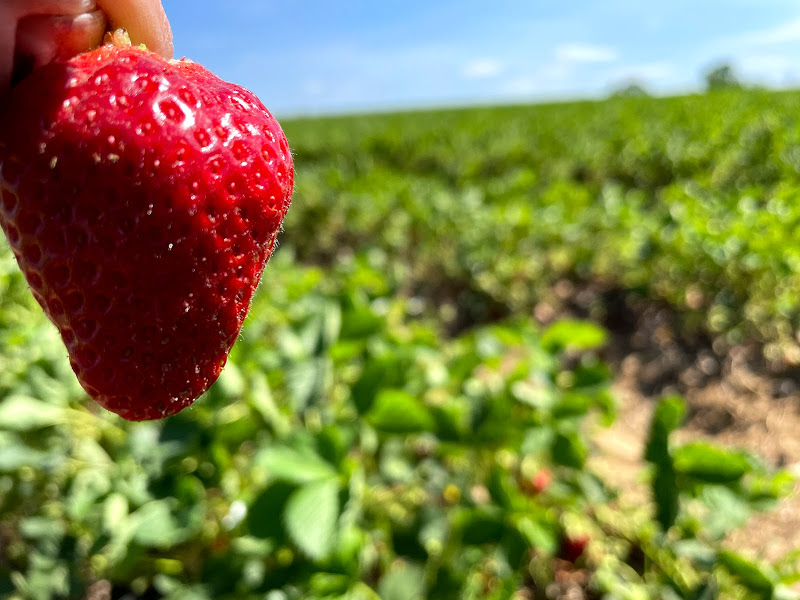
688	200
391	423
349	451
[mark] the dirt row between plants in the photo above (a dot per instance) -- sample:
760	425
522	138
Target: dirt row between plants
733	399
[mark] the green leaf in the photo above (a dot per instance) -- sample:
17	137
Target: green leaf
379	373
361	591
573	335
569	450
396	411
758	578
264	515
327	584
481	525
287	464
542	535
666	495
667	418
710	464
727	510
155	525
306	381
403	583
169	521
311	517
22	413
359	322
572	405
14	457
42	528
87	488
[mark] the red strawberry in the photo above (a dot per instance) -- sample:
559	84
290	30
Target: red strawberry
541	481
142	199
573	547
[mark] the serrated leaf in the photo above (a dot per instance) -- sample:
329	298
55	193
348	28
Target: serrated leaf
311	516
573	335
396	411
710	464
306	381
287	464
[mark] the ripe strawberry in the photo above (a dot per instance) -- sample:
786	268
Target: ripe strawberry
142	199
541	481
573	547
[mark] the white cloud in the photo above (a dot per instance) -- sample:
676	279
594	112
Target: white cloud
781	34
482	68
585	53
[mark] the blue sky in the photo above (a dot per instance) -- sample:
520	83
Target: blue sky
320	56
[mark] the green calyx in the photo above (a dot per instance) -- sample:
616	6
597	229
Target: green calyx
120	37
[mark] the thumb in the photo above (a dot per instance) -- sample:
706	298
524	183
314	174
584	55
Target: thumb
145	21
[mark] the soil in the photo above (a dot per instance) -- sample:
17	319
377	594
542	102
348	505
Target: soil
734	399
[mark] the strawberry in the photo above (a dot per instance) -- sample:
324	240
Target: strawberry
573	547
142	199
541	481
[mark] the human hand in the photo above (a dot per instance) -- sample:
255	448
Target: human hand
36	32
144	20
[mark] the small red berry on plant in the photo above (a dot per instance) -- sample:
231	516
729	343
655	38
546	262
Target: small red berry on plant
573	547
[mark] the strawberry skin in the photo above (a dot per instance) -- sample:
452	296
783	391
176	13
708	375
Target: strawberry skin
142	199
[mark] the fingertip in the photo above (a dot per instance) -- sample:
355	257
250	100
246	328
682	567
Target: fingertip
145	21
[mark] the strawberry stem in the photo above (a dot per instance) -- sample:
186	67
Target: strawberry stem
118	37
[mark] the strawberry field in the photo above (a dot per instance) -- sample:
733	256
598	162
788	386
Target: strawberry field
411	409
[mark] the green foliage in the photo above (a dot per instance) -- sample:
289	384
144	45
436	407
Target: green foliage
391	424
478	212
722	78
404	471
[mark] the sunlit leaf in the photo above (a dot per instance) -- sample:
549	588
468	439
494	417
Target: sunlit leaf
396	411
288	464
311	516
711	464
573	335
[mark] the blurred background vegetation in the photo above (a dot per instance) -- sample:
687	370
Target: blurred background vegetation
411	407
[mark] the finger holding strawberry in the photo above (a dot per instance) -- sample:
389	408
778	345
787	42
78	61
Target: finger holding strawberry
33	33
